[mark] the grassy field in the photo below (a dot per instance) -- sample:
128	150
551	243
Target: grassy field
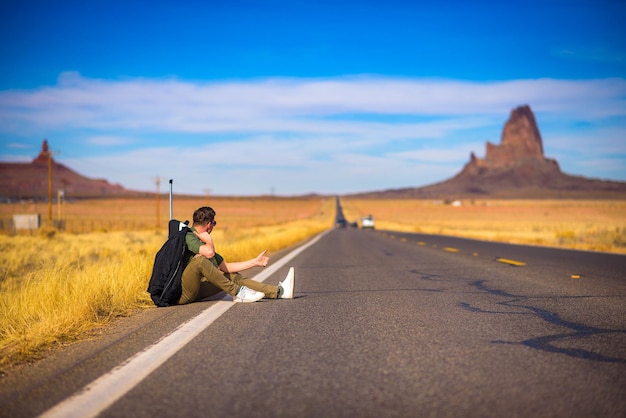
105	215
580	224
57	286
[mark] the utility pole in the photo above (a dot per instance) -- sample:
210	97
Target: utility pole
62	198
60	195
158	204
49	187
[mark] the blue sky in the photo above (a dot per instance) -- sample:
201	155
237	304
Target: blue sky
257	97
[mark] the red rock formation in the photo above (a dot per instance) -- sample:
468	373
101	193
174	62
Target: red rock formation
516	167
30	180
43	156
520	139
518	160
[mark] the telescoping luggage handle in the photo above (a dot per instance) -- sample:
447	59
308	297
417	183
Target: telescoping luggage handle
174	225
171	208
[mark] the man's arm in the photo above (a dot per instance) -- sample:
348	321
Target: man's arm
235	267
208	249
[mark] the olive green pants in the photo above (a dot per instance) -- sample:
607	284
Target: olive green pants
200	272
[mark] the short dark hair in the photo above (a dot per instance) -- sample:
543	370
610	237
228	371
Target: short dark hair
203	215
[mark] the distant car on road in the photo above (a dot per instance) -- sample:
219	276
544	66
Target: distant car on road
367	222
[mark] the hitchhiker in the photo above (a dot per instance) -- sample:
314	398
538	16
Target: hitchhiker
204	265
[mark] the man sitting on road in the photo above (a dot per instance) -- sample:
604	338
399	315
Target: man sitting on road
204	265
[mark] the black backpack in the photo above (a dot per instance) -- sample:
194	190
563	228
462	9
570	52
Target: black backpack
165	285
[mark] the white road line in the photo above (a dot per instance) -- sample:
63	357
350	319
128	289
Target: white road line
104	391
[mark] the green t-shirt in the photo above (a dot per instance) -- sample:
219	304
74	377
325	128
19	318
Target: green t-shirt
193	247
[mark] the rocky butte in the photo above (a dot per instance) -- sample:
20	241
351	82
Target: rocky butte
515	168
30	180
517	162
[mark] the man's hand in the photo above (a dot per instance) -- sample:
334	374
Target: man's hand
262	259
204	236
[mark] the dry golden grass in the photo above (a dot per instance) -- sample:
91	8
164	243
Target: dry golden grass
580	224
57	286
82	216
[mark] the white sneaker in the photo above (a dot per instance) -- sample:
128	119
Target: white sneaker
246	294
288	284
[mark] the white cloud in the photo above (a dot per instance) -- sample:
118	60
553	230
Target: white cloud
293	104
18	145
295	135
454	154
104	140
596	142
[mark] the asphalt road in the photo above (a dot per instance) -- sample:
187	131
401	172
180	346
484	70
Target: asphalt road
383	324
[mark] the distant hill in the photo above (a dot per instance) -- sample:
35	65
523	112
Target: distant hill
30	181
516	168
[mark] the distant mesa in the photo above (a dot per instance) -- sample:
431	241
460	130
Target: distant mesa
30	180
516	168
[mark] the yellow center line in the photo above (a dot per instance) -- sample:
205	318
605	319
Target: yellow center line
451	250
511	262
